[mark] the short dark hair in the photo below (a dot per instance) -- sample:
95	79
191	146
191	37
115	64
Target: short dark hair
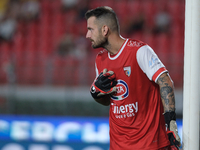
106	15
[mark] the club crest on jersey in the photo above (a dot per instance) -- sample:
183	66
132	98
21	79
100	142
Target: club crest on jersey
127	71
122	91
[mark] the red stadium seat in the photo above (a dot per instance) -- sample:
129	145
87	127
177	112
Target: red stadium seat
149	39
34	42
133	7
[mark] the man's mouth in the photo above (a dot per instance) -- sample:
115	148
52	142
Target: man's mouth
92	41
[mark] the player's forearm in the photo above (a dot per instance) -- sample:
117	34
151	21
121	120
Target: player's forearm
168	100
167	92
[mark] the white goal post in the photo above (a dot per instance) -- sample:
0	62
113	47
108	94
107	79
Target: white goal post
191	89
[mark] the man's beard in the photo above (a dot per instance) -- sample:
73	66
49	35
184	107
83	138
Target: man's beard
101	42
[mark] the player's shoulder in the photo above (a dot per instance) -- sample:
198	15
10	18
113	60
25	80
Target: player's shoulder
102	53
132	43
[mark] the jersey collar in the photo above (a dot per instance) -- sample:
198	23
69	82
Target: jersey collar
118	53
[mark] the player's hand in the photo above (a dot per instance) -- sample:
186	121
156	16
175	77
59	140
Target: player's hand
173	136
172	131
104	84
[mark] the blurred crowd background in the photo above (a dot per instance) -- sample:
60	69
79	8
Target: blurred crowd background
47	64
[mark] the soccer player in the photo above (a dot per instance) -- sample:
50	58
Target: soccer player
134	82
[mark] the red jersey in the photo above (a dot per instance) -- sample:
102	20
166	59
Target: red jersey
136	121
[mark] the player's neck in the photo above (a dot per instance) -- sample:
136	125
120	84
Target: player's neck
115	42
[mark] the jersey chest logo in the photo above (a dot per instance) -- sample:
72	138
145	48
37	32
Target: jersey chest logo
127	70
122	91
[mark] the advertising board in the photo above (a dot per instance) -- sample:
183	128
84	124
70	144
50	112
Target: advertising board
56	133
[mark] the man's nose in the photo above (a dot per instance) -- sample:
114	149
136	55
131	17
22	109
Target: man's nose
88	35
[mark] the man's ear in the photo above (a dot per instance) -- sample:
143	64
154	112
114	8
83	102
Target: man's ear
105	30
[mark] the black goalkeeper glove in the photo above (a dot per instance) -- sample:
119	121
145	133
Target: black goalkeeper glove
104	84
172	131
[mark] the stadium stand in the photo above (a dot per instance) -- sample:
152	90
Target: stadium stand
33	50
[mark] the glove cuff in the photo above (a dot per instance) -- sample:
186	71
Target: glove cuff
94	92
170	115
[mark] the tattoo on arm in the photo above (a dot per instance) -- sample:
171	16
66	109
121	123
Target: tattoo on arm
167	92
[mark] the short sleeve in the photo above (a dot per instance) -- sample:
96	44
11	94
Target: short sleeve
150	63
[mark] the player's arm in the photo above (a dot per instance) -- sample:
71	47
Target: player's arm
103	86
166	92
168	99
152	67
